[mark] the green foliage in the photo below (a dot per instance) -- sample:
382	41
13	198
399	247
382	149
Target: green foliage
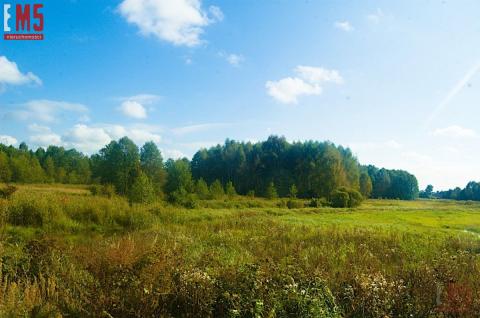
393	184
470	192
293	192
152	165
67	253
295	204
179	176
118	163
142	190
271	191
216	190
230	189
107	190
345	198
5	170
366	186
339	199
201	189
7	191
251	194
318	203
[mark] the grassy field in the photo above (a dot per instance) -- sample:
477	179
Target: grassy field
67	253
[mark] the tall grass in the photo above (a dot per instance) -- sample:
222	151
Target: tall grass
71	254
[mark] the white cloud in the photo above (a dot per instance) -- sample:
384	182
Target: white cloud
8	140
43	136
173	154
197	128
86	139
344	26
11	75
288	90
90	139
45	140
455	131
232	59
318	74
376	16
135	106
46	110
309	81
133	109
180	22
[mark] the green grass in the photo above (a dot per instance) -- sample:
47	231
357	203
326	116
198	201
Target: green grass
238	257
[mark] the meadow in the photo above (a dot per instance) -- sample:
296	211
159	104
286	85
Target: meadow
67	253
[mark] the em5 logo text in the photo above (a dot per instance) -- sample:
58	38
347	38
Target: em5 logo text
23	21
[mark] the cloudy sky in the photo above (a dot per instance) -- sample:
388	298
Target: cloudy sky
395	81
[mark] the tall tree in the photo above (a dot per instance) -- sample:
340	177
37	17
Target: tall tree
152	165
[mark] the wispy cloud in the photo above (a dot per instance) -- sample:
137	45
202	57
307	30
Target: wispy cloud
344	26
232	59
376	17
455	131
46	110
454	91
198	128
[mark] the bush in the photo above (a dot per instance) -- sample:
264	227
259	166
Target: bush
7	191
295	204
251	194
271	191
230	189
339	199
345	198
142	190
318	203
216	190
28	211
106	190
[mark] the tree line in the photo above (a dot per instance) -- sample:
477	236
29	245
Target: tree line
272	168
471	192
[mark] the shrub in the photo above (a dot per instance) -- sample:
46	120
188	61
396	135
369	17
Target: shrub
318	202
230	189
28	211
216	190
106	190
271	191
7	191
339	199
355	198
142	190
345	198
295	204
251	194
201	189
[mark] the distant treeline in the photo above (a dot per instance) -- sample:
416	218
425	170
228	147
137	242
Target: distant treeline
274	167
470	192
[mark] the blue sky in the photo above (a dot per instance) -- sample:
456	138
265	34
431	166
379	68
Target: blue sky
395	81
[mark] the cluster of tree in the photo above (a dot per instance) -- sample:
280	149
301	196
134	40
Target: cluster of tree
392	184
315	168
273	168
470	192
55	164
